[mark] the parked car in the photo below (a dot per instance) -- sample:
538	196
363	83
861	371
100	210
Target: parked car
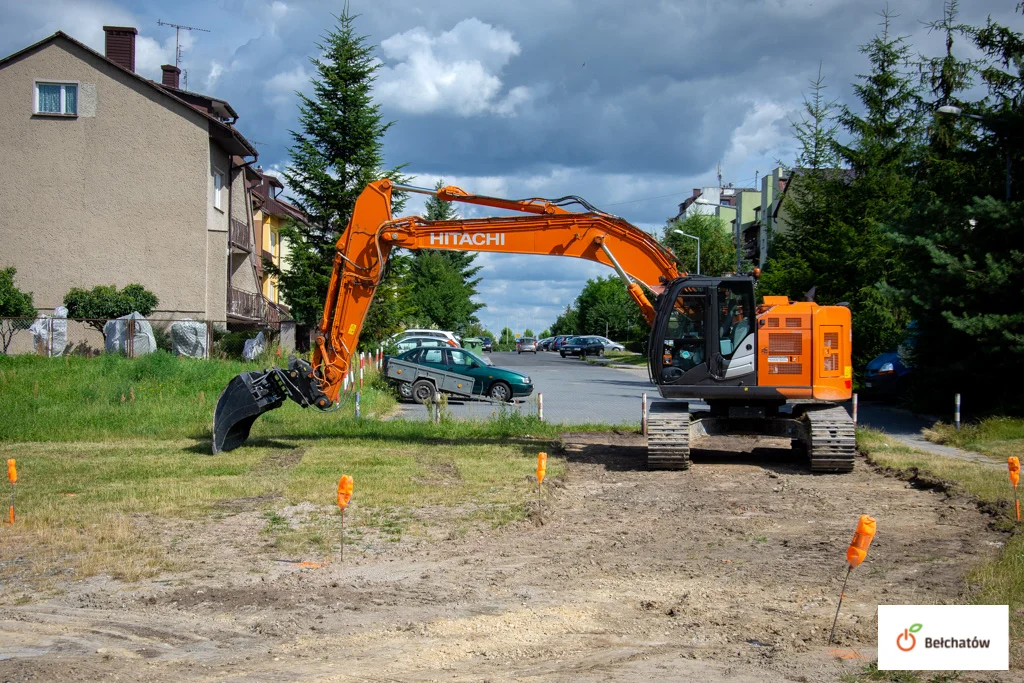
413	342
544	344
419	332
557	342
886	375
493	382
582	347
526	344
609	345
488	344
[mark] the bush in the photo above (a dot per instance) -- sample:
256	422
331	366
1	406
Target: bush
105	302
14	303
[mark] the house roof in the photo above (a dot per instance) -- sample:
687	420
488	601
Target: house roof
226	135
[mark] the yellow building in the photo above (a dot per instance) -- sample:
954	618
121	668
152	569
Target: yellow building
271	213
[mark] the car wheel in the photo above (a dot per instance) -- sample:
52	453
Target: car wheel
600	353
423	391
562	353
535	352
405	391
500	391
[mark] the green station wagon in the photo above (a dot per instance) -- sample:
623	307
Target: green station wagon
496	383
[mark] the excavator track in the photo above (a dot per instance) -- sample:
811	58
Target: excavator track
668	436
832	437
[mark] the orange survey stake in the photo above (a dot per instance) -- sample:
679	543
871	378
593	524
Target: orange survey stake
1013	463
542	466
12	470
345	485
862	538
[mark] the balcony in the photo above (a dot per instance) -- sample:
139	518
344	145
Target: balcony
246	305
240	236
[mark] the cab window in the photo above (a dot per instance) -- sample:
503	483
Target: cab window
684	336
414	356
734	316
432	356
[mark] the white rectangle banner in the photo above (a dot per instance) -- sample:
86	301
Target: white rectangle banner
944	637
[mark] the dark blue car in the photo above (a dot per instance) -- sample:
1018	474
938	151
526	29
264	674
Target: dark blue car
886	375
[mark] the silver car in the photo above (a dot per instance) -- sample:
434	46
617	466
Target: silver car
526	344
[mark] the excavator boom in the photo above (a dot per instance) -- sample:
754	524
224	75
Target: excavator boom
546	227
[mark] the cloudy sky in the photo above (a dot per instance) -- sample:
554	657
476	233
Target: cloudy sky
628	104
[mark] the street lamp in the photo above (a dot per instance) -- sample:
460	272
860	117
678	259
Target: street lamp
694	237
952	110
739	235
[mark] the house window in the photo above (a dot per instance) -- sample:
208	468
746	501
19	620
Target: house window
57	98
218	189
272	290
274	241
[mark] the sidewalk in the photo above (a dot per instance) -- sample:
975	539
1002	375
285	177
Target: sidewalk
905	427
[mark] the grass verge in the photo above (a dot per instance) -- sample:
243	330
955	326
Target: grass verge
626	358
111	451
997	582
999	437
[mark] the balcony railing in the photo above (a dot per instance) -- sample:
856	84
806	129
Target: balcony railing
241	235
248	305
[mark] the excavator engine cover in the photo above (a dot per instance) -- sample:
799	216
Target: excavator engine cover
251	394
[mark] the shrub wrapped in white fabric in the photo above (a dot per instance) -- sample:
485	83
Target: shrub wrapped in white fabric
115	334
42	327
188	338
254	347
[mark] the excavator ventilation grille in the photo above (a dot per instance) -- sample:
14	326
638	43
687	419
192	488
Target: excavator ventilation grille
792	322
832	340
786	369
773	322
831	363
785	343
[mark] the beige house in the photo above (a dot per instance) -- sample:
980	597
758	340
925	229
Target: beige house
110	178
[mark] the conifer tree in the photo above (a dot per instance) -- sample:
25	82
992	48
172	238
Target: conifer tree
335	153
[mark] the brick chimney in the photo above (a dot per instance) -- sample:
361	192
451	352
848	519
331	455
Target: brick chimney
120	45
171	74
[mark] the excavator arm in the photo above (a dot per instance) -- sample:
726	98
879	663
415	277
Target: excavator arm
546	227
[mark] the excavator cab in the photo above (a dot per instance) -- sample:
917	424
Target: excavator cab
705	334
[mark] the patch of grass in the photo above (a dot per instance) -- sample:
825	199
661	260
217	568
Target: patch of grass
159	396
999	437
994	583
626	357
86	508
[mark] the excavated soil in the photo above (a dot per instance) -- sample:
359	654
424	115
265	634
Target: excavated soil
727	572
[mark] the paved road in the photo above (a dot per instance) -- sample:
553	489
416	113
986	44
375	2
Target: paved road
574	392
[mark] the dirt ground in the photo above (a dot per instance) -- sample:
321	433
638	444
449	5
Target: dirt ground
729	571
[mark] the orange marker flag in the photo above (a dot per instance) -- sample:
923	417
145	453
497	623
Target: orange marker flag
855	554
542	466
1014	464
862	538
344	491
12	474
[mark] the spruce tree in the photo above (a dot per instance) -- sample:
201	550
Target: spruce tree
335	153
838	241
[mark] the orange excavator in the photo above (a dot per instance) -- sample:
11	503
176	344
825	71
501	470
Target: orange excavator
777	369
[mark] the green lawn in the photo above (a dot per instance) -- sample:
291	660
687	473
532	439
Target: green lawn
999	437
111	450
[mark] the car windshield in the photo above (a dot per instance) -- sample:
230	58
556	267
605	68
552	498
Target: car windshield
527	340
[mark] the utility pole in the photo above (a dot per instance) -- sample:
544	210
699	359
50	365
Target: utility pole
178	28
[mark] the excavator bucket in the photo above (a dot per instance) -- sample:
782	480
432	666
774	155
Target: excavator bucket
251	394
237	408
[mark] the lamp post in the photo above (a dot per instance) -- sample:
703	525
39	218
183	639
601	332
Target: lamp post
951	110
694	237
739	238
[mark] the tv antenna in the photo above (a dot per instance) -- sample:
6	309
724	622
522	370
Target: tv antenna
178	28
